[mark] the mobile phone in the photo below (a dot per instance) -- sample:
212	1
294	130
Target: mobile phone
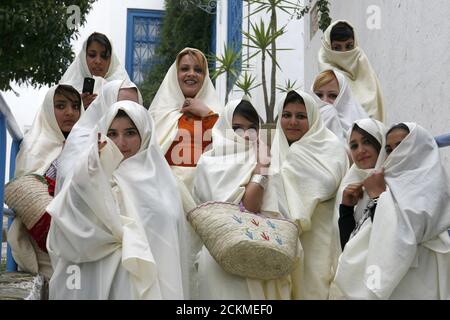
88	85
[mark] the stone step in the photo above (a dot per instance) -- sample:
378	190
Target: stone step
22	286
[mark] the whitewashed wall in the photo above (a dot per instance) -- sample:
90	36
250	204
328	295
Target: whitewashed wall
291	62
410	53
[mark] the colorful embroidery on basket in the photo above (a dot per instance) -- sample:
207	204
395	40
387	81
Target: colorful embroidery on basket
237	219
249	234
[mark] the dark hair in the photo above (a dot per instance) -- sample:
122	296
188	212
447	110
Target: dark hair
101	39
246	109
293	97
399	126
374	142
341	32
69	92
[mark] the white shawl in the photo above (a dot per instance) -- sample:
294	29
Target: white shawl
345	110
79	70
44	142
165	107
78	139
230	153
355	66
409	230
222	175
39	148
119	222
310	171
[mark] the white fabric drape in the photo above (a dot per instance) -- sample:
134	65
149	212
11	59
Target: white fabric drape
222	175
78	139
79	70
39	148
356	175
355	66
345	110
119	222
310	171
405	252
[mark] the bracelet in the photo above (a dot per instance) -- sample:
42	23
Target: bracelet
260	179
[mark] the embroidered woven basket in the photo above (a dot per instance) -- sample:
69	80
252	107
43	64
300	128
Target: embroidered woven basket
246	244
28	197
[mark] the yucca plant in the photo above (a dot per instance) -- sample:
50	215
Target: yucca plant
247	83
226	63
288	86
264	40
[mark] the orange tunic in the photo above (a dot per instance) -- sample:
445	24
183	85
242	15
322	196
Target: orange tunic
193	136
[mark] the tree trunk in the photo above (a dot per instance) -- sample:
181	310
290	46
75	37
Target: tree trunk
273	80
264	85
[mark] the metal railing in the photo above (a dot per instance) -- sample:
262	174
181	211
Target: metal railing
9	125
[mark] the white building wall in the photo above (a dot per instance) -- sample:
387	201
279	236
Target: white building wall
410	54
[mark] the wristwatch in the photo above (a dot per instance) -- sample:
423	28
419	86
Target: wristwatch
260	179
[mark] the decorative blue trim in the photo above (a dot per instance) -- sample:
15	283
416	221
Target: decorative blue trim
132	38
234	32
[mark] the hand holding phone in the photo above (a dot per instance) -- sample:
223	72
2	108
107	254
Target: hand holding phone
88	85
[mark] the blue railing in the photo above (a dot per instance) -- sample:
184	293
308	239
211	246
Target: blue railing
443	140
9	125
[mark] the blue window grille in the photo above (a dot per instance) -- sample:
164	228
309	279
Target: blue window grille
143	37
234	33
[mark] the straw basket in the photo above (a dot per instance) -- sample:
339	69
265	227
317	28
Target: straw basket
246	244
28	197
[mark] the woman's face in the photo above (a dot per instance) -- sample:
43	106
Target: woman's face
343	46
97	60
67	112
294	121
245	128
364	154
328	92
190	76
125	135
393	140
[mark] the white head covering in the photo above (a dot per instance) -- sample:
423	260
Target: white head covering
311	168
340	116
39	148
79	70
44	142
230	153
356	175
356	68
165	107
127	209
78	139
413	211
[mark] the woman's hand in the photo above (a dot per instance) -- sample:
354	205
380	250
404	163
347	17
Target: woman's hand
375	184
196	107
87	99
351	195
263	158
